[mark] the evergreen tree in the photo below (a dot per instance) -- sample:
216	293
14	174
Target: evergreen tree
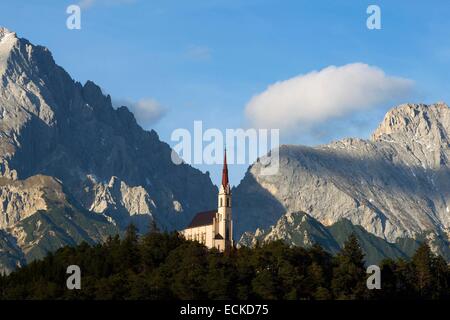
422	262
153	228
245	273
267	261
320	273
441	279
349	274
221	277
156	247
186	269
166	266
129	251
404	279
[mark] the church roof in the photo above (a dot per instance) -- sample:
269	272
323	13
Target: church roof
203	219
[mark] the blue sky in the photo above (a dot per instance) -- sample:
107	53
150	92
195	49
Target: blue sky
206	59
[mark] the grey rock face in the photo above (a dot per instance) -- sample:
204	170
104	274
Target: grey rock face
39	217
21	199
120	203
300	229
397	184
52	125
294	228
75	169
11	256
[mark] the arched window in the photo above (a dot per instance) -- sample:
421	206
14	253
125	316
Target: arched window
228	202
220	201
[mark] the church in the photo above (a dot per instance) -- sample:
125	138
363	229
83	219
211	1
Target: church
214	228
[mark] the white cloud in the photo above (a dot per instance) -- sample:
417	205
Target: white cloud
146	111
318	96
84	4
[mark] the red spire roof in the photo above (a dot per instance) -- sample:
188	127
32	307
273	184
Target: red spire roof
225	171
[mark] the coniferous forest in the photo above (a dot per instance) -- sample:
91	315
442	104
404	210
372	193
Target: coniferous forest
165	266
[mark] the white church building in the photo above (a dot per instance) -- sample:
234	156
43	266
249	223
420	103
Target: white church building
214	228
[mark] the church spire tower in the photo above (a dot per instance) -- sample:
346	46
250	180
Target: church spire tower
214	228
225	183
224	218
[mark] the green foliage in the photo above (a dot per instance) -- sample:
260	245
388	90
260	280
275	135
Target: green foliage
430	274
349	272
166	266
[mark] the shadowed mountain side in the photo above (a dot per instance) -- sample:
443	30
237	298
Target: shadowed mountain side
48	231
296	229
246	199
439	243
300	229
46	217
375	248
11	256
371	188
53	125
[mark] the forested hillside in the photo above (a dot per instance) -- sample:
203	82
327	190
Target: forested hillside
165	266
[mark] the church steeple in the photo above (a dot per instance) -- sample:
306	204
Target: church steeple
224	227
217	231
224	189
225	171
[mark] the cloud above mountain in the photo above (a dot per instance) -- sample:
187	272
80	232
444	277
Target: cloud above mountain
146	111
319	96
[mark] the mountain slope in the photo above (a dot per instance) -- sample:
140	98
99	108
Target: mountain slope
52	125
44	219
395	185
297	229
48	231
375	248
73	168
11	256
300	229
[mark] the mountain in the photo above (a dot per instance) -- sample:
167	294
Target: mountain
42	218
62	140
395	185
55	126
11	256
296	229
300	229
73	169
374	248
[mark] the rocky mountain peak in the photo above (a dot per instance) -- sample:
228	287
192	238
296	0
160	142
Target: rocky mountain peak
394	185
419	121
423	131
73	168
5	32
7	42
19	55
53	125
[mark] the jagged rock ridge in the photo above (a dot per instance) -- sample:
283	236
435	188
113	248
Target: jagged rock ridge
107	165
42	218
53	125
395	185
300	229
